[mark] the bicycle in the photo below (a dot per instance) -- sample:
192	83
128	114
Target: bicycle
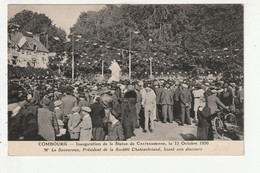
223	120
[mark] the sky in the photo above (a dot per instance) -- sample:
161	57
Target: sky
64	16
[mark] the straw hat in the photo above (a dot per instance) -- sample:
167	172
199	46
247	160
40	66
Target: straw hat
58	103
130	88
184	86
86	109
75	109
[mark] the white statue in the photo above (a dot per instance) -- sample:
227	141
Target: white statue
115	69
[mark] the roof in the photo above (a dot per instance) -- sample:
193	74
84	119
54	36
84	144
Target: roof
27	42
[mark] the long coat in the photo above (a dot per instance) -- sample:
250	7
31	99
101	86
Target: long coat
86	128
74	125
204	131
149	102
14	122
47	124
185	98
227	97
97	114
167	97
69	102
212	102
116	132
115	106
30	124
128	111
158	92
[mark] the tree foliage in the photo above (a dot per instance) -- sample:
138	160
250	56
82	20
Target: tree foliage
39	23
177	37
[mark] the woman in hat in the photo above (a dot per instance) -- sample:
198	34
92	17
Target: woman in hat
128	112
204	131
74	123
85	125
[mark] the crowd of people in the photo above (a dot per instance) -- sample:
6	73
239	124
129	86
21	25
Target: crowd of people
84	110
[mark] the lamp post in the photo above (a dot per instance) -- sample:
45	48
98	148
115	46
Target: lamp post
72	63
151	67
130	47
102	66
73	58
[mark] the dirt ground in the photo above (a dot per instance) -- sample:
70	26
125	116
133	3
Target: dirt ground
174	132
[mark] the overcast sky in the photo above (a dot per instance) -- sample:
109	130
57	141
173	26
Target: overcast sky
64	16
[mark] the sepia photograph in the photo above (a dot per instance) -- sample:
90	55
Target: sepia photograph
126	72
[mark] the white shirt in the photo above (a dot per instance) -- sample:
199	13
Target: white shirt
198	93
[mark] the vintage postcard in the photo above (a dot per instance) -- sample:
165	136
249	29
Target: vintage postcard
125	80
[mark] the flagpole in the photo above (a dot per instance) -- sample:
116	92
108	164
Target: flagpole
130	70
102	68
72	64
151	68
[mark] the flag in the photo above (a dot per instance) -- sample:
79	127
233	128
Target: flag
56	38
22	41
29	33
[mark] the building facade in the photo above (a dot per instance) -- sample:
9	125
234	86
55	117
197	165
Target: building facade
27	50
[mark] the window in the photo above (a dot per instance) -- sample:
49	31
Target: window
33	62
43	59
34	47
14	60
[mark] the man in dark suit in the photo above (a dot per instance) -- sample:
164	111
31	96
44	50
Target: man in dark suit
158	91
167	103
97	114
69	102
176	97
185	104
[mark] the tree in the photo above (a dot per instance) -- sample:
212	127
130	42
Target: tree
177	37
39	23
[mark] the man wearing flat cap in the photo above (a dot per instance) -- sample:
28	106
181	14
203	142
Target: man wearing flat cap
86	125
47	122
74	123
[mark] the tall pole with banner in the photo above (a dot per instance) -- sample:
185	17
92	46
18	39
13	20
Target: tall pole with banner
130	51
72	62
102	75
130	44
151	67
